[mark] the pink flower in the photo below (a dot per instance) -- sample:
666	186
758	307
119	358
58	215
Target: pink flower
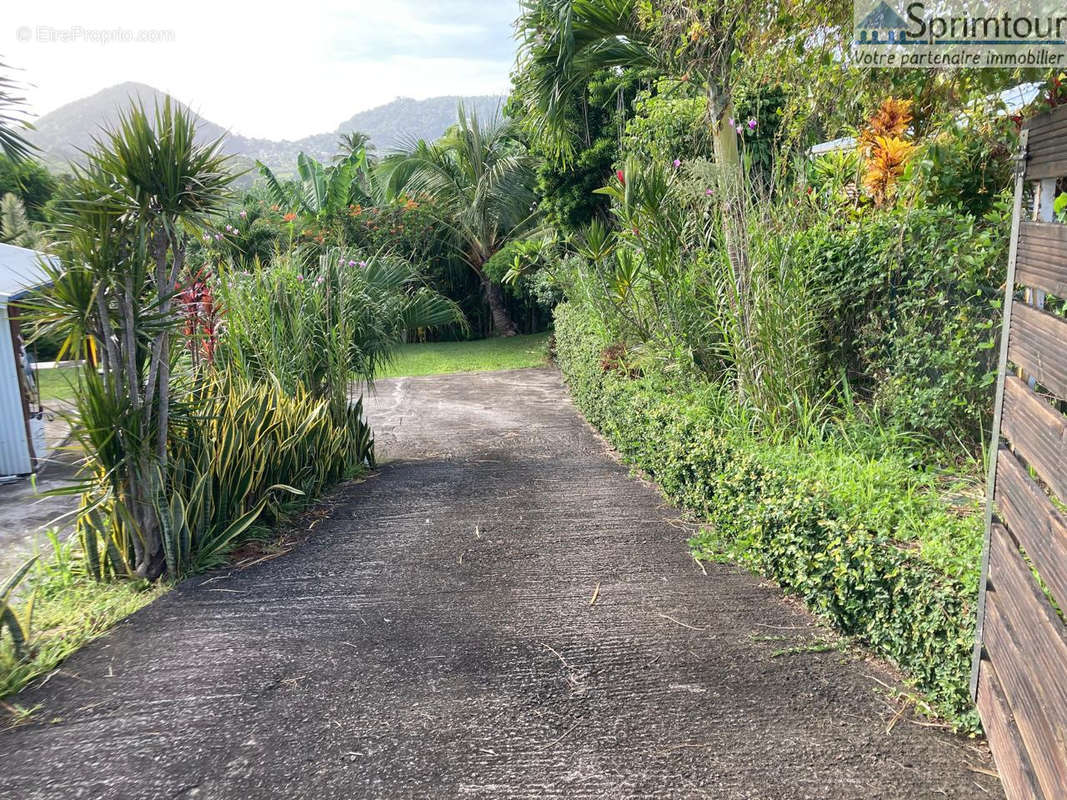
351	263
218	237
732	123
243	214
363	264
752	124
740	129
677	162
318	280
300	278
708	192
341	263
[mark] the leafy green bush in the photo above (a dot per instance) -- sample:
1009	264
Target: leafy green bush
909	300
966	166
800	513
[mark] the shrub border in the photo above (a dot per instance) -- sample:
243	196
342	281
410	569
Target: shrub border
856	579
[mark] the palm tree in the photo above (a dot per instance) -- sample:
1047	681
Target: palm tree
354	142
13	142
563	44
479	181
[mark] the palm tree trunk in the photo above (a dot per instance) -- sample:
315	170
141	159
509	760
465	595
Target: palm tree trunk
502	323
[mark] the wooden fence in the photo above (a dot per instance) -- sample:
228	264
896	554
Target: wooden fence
1020	670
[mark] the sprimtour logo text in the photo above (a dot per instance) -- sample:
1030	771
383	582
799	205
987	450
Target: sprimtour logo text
992	34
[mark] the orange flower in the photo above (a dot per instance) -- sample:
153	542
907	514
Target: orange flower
289	217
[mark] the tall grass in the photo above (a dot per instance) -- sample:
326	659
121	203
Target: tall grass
664	282
768	321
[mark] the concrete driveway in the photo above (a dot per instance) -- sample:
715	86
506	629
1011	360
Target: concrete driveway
502	612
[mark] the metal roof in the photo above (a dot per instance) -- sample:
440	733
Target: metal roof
20	271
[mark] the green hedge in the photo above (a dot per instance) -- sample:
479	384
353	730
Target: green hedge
779	520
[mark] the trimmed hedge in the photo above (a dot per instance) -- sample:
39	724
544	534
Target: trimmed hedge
780	521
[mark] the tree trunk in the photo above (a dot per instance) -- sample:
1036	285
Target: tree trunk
151	562
502	324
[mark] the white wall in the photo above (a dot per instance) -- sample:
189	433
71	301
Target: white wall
14	452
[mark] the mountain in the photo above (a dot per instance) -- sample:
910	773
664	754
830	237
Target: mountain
62	133
397	123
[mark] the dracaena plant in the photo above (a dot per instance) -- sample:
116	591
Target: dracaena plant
146	187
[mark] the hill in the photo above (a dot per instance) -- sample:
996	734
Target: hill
62	133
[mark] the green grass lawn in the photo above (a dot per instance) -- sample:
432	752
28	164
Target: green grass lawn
55	384
482	355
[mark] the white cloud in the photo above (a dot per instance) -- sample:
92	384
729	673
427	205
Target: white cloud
272	70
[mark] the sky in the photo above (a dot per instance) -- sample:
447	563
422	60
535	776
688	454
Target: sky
270	69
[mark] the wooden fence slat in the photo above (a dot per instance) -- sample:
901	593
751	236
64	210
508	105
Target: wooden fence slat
1047	126
1040	724
1049	152
1037	432
1013	764
1040	528
1041	261
1040	169
1035	623
1041	275
1050	234
1042	144
1036	344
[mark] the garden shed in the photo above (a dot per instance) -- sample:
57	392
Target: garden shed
21	432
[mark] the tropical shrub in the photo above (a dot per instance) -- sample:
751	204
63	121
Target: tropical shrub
247	454
886	149
909	300
323	189
966	166
16	227
16	623
30	182
312	322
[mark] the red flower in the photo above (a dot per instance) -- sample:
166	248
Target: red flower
619	174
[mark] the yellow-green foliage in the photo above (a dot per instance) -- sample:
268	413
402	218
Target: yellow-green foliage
251	449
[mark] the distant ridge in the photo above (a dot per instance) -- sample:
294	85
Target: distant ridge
62	133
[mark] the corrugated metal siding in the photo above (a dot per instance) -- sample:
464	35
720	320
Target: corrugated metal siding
14	452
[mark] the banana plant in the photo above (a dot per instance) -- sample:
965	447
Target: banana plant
323	188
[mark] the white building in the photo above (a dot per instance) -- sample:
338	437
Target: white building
21	432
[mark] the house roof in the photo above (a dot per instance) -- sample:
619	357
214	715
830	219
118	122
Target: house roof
21	272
